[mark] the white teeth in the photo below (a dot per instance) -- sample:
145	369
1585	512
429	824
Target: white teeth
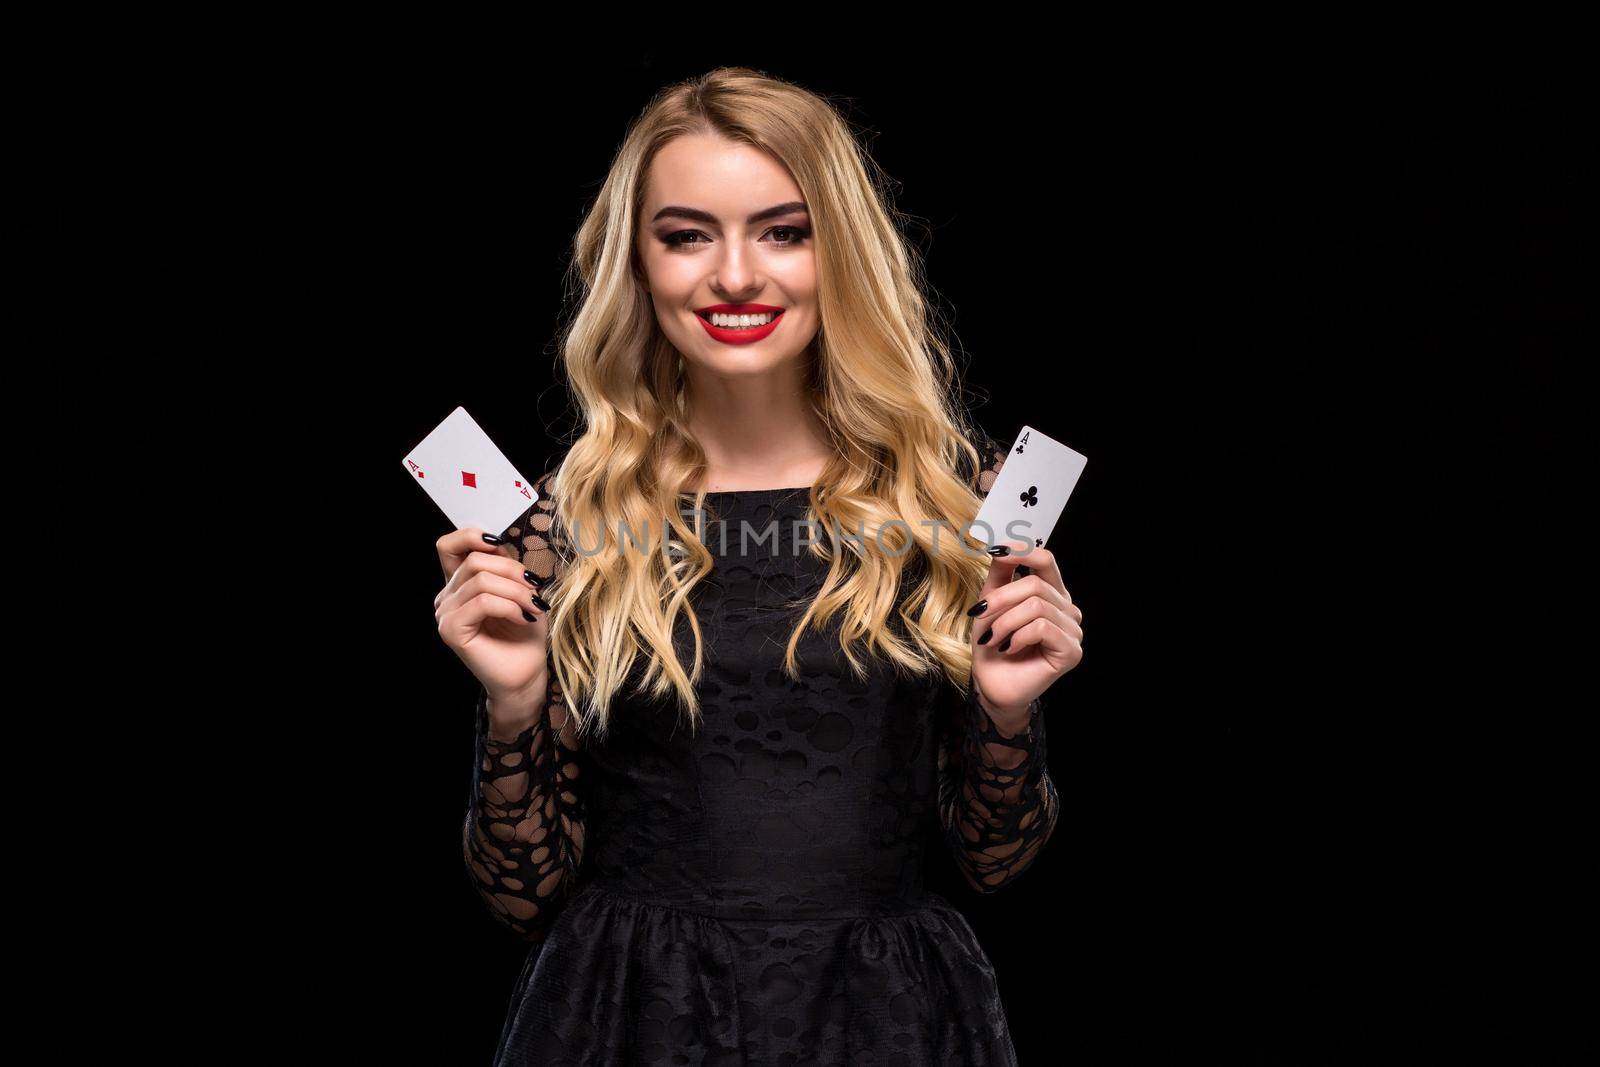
737	322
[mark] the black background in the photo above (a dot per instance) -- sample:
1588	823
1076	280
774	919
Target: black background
1220	280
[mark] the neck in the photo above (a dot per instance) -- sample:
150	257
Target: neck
757	432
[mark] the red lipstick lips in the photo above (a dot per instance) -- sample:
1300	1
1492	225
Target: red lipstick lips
742	335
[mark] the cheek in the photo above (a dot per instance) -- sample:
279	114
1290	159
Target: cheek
670	275
798	277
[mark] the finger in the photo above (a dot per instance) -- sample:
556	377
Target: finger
1002	568
514	590
464	619
486	562
1040	561
455	546
1009	621
477	563
1009	595
1044	632
1063	618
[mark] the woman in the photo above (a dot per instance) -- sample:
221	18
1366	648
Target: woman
706	774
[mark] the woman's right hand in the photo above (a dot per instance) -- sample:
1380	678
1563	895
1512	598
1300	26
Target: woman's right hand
491	615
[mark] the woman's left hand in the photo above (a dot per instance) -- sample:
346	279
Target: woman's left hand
1034	630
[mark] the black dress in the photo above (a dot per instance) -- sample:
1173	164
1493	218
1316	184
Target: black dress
752	893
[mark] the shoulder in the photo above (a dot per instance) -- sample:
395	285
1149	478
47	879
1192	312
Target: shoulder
545	487
537	533
991	456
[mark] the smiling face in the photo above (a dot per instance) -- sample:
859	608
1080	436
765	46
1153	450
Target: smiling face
726	243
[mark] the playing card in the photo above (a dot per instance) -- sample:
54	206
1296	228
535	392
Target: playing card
1026	499
468	476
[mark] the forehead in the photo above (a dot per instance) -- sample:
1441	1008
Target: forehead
721	176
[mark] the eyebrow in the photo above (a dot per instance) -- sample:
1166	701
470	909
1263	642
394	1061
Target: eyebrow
707	217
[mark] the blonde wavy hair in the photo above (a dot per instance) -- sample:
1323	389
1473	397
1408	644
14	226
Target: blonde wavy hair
883	383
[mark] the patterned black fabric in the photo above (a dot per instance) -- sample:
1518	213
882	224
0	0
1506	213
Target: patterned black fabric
752	893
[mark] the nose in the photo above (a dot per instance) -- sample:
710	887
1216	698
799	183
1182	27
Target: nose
736	275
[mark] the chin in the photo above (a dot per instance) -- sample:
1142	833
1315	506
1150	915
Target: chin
736	359
735	363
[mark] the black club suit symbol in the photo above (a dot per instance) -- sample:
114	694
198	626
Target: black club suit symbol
1031	497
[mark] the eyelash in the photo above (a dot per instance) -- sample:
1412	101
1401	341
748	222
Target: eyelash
802	232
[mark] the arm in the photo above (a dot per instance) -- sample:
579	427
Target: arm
997	803
523	836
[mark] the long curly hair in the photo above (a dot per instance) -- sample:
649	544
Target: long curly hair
882	381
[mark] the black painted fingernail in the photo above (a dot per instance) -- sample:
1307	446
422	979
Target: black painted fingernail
537	581
491	538
978	609
1000	550
1006	643
538	602
984	640
525	615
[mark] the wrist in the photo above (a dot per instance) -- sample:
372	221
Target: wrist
1010	720
510	714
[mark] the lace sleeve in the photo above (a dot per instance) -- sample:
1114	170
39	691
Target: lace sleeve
997	803
523	835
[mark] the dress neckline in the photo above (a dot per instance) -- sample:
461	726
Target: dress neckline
755	492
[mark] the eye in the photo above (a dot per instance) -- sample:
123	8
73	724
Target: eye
681	237
800	234
792	235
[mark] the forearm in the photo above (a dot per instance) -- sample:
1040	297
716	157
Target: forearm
522	837
1005	803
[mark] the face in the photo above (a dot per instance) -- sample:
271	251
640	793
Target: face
724	227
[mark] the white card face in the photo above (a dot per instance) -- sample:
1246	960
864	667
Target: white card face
1033	486
468	476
